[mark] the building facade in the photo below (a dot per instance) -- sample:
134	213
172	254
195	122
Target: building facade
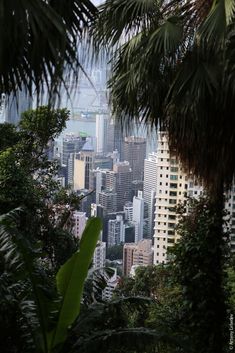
135	153
172	188
140	254
150	188
116	231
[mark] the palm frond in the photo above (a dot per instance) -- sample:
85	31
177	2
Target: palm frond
40	43
217	21
128	339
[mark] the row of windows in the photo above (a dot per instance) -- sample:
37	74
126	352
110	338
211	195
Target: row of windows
172	177
162	254
172	225
165	215
171	209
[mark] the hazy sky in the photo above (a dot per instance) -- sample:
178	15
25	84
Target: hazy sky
97	2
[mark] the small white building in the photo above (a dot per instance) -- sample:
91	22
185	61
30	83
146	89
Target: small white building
80	220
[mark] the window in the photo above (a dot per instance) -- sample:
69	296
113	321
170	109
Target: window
174	169
166	192
171	216
173	185
172	202
160	175
173	193
171	232
173	177
171	225
170	240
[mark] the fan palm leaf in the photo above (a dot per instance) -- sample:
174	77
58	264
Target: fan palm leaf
39	42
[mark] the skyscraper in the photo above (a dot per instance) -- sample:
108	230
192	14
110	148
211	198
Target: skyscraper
138	216
134	153
101	132
83	166
172	188
16	105
119	181
150	188
108	200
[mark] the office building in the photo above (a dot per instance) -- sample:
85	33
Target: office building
71	143
119	181
83	166
108	200
135	153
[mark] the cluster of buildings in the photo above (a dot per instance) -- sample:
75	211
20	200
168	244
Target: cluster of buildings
134	195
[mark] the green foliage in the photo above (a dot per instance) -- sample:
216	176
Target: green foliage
27	179
199	268
107	327
149	281
70	280
114	252
43	124
41	311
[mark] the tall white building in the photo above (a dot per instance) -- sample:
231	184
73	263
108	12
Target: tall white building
116	231
99	256
172	188
80	220
138	216
150	188
101	132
